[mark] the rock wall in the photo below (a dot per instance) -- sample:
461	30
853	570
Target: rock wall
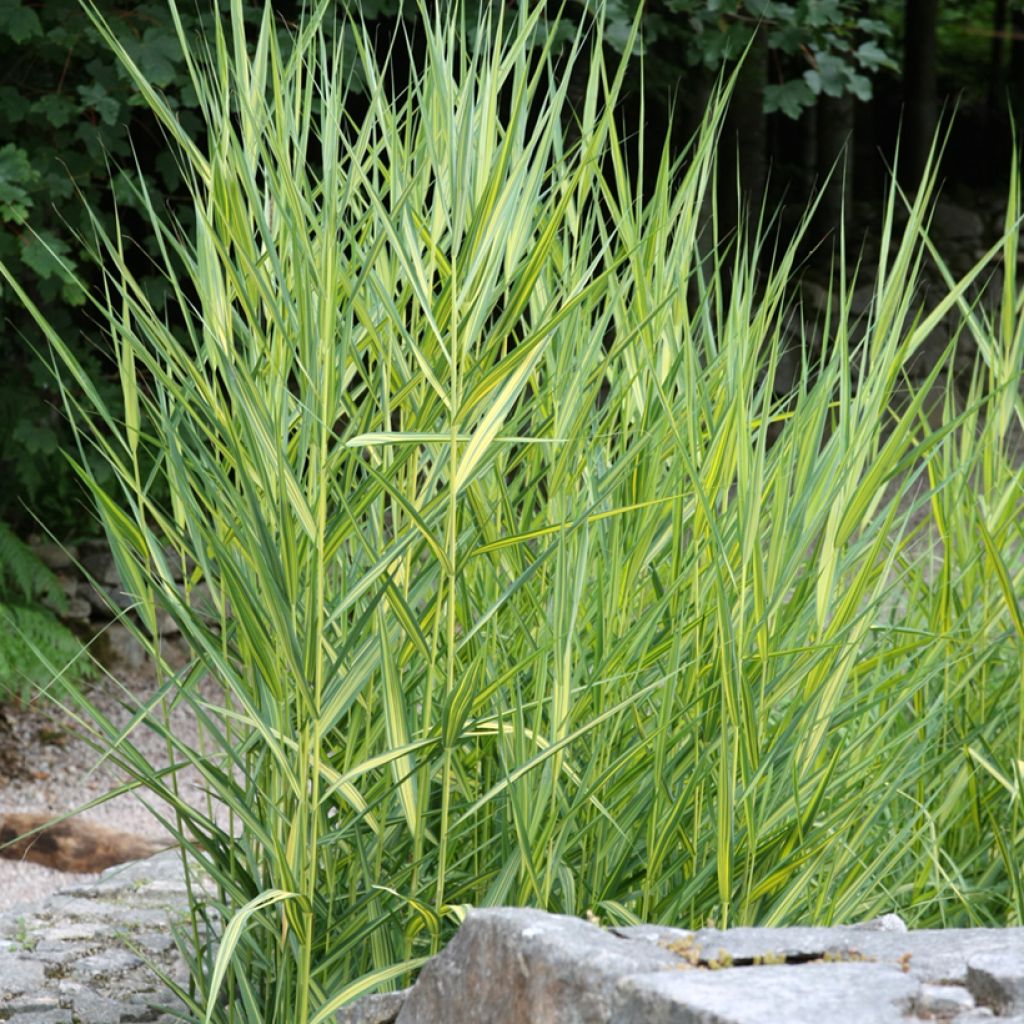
77	958
96	599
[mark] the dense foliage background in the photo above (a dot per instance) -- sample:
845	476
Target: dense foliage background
816	74
817	71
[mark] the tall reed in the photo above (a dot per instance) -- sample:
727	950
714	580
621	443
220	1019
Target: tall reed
518	582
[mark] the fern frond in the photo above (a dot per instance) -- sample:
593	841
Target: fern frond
35	646
24	575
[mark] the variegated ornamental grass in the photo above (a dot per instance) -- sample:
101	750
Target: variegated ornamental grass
525	587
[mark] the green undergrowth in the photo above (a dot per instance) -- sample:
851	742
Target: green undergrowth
35	646
523	585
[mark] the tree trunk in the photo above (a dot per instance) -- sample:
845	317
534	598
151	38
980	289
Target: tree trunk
743	160
920	91
1016	72
997	73
835	161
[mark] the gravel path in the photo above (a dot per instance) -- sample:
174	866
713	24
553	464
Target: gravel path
63	772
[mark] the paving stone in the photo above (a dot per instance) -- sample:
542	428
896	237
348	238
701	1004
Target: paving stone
19	974
94	1008
32	1003
996	979
43	1017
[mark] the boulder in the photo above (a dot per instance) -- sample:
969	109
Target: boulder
957	223
55	556
510	966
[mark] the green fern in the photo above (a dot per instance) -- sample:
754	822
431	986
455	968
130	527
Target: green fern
34	644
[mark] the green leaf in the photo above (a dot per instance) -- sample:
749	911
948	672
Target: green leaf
157	54
55	108
19	22
35	438
43	252
16	173
823	13
13	105
829	76
860	86
97	98
872	57
791	98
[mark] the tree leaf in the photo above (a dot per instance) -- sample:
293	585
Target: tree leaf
19	22
791	98
55	108
44	253
97	98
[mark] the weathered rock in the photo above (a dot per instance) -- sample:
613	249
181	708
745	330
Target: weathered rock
99	564
78	609
509	965
943	1000
521	967
956	223
55	556
117	648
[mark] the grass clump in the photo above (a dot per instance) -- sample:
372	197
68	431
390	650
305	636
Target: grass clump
517	581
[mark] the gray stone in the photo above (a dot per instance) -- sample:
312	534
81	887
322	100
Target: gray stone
99	564
105	964
165	624
57	1016
32	1003
381	1008
55	556
996	979
839	993
19	974
507	966
88	1006
937	955
159	878
883	923
956	223
943	1000
116	647
78	609
71	961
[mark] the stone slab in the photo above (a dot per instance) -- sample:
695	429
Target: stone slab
839	993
